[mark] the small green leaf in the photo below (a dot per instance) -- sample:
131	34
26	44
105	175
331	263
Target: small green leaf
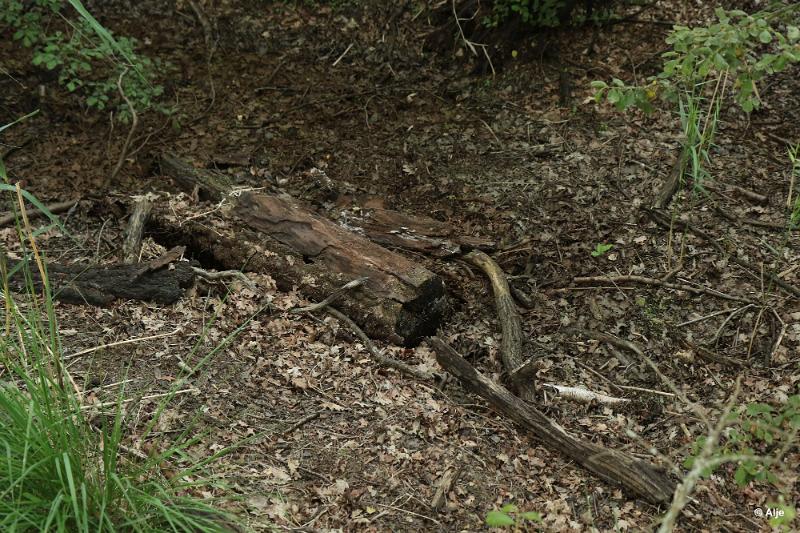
765	36
509	508
741	476
758	408
531	516
601	249
498	519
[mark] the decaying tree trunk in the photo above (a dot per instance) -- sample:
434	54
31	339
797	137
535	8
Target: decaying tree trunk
411	232
276	235
132	245
616	467
101	285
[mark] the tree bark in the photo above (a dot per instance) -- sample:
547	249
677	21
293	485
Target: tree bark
411	232
639	477
132	244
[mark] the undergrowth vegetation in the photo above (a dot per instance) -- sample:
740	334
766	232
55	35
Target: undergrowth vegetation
549	13
85	58
706	64
65	465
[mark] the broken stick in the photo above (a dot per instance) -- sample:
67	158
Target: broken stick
635	475
510	323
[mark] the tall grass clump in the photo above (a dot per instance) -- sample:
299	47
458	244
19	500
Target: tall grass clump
59	471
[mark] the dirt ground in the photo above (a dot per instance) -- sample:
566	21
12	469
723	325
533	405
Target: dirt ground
351	90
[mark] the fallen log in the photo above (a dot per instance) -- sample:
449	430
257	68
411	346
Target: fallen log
276	235
410	232
639	477
101	285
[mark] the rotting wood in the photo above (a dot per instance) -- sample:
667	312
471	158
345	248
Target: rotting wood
132	244
445	485
211	184
639	477
401	302
410	232
101	285
510	324
583	395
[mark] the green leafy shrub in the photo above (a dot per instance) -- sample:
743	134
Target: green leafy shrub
550	13
757	427
88	60
534	12
740	47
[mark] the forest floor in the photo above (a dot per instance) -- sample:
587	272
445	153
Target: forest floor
351	91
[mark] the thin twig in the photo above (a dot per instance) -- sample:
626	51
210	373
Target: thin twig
134	123
120	343
378	356
780	335
300	423
58	207
706	317
735	312
651	391
654	281
343	54
470	44
331	298
143	398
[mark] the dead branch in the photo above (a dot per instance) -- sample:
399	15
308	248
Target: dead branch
56	208
616	467
582	395
101	285
134	123
657	282
510	323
